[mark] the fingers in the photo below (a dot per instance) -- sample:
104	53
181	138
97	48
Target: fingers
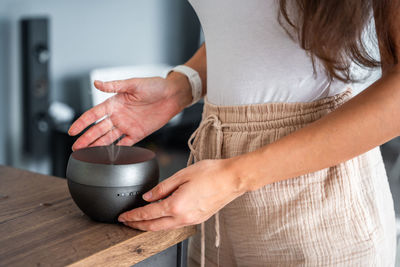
119	86
149	212
88	118
99	111
134	133
126	141
108	138
165	223
163	189
166	207
94	133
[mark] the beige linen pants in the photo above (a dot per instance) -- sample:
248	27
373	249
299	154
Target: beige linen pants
338	216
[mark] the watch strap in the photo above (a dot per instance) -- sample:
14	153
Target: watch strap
194	80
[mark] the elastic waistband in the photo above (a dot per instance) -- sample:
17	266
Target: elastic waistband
274	115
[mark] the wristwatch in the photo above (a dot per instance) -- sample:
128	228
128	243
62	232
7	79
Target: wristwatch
194	80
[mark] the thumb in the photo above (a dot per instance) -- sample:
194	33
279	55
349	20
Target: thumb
163	189
118	86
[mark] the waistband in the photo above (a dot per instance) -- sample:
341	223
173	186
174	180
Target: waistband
274	115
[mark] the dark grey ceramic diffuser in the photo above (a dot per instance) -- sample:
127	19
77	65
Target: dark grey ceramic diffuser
106	181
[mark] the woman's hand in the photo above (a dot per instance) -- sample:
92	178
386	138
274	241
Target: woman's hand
140	107
192	195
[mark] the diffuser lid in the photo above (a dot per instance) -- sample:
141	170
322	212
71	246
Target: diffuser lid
115	155
112	166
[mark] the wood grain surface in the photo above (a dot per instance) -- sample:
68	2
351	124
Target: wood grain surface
40	225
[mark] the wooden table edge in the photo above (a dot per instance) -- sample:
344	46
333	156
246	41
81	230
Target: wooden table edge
128	253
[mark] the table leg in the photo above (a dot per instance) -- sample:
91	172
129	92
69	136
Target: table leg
181	253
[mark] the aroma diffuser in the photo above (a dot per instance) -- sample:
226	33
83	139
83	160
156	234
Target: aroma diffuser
106	181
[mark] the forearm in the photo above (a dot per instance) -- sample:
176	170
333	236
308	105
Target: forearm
199	63
181	85
364	122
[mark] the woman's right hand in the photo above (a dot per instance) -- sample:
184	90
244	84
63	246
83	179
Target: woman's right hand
139	107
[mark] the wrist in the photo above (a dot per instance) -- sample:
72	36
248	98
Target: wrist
179	89
238	178
246	172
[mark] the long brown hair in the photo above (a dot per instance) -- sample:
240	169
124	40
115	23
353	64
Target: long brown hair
332	32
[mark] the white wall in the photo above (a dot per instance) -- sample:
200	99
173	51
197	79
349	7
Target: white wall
83	35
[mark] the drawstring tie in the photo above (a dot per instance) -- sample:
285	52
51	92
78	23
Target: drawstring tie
211	121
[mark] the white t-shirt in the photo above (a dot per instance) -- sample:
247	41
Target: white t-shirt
251	59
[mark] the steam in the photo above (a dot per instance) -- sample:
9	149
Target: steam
112	149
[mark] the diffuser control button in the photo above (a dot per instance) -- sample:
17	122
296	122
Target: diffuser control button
128	194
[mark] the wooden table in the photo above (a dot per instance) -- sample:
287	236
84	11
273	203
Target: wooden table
40	225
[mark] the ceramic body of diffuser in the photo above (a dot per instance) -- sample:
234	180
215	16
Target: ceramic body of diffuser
106	181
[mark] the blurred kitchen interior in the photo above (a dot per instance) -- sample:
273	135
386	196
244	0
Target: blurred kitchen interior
84	36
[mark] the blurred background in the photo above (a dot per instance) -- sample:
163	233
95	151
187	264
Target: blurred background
50	52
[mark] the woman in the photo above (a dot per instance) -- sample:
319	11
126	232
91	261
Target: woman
285	157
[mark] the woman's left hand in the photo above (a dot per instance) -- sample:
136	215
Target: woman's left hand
192	195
